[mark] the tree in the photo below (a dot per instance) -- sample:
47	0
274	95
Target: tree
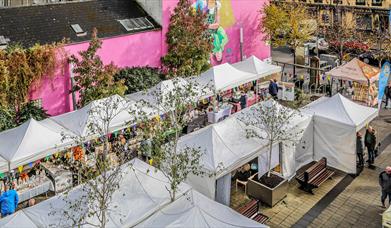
272	122
286	24
94	80
139	78
380	38
189	43
99	177
343	39
175	162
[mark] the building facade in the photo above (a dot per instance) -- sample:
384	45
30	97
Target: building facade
133	34
365	15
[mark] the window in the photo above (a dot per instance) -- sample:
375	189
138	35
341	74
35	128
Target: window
134	24
318	1
377	2
16	3
325	18
360	2
364	22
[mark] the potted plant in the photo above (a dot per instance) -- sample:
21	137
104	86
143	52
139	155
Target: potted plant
272	122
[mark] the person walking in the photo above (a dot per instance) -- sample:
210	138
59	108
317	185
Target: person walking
273	89
370	144
387	94
385	184
359	149
8	201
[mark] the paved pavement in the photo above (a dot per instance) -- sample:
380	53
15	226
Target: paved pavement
335	204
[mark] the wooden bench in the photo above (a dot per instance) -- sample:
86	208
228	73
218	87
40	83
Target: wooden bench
251	210
314	176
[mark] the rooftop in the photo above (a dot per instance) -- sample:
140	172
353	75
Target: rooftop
53	22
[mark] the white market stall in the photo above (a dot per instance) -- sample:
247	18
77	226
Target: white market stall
336	121
257	67
196	210
142	193
29	142
294	153
90	120
225	148
223	77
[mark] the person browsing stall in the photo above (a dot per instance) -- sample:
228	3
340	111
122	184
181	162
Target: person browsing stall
8	201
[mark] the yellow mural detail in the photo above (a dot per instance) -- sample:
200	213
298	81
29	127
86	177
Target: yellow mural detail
227	17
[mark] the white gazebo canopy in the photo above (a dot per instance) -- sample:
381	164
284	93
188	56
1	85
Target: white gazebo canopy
142	193
257	67
156	96
91	120
196	210
224	77
336	121
29	142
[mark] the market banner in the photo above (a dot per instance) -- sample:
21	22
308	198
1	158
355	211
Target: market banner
383	79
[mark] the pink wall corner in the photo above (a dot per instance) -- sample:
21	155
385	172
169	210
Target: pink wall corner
246	14
140	49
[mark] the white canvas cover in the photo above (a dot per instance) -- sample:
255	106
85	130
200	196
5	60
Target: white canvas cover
257	67
295	152
141	195
195	210
17	220
226	147
29	142
89	120
342	110
162	91
355	70
142	192
223	77
335	123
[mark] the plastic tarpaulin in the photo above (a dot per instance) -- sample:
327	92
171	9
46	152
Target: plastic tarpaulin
195	210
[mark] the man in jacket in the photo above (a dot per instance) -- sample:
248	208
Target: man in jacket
370	144
385	184
8	201
387	94
359	150
273	89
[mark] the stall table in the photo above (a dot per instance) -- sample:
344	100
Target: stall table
62	178
36	188
214	117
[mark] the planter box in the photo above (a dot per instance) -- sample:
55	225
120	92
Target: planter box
269	196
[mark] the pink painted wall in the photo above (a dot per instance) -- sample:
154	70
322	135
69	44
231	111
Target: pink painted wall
147	48
132	50
245	14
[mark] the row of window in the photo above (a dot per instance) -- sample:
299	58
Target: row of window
358	2
16	3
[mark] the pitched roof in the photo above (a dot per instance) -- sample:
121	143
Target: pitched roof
51	23
355	70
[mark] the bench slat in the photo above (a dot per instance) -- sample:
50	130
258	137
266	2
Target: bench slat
261	218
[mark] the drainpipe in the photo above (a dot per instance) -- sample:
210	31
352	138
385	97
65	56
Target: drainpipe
72	85
241	43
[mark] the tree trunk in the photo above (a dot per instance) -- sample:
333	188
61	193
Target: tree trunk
269	162
294	62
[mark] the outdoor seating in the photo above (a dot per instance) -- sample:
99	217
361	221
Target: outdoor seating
251	210
314	176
